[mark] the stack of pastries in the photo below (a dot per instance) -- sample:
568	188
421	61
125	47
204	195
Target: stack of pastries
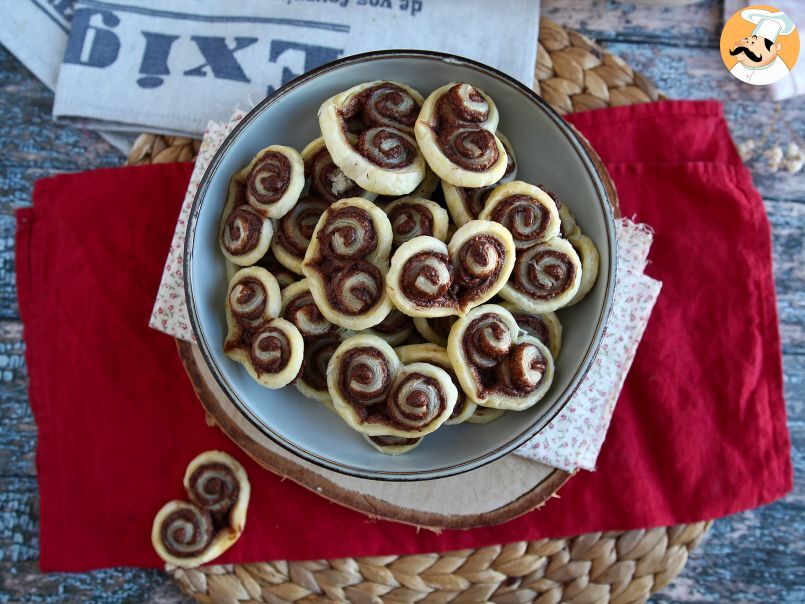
396	270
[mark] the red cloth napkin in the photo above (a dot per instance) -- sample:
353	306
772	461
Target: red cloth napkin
699	431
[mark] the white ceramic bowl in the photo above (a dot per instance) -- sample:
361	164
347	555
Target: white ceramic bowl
548	152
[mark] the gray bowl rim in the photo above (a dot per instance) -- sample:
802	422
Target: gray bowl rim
540	422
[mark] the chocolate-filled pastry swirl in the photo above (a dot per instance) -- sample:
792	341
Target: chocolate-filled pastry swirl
182	534
430	279
378	396
391	105
245	233
274	179
497	364
216	482
346	264
349	233
252	299
274	357
191	534
413	216
590	261
294	231
270	349
456	134
387	148
483	257
356	289
437	355
299	308
416	397
395	329
546	327
393	445
420	279
545	278
525	210
327	181
320	336
465	104
465	204
368	133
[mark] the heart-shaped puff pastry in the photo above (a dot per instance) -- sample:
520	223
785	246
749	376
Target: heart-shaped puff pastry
497	364
192	533
429	278
347	261
270	348
377	395
368	131
456	134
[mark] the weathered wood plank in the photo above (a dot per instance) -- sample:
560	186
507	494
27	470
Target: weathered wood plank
756	556
17	426
607	20
698	73
29	135
8	283
24	583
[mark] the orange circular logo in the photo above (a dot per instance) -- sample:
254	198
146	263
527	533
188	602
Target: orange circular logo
760	45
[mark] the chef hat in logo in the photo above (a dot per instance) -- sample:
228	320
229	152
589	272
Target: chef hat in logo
768	25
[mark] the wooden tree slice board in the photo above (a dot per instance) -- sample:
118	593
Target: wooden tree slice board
462	501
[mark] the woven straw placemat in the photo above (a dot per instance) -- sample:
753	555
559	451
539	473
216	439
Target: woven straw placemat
622	567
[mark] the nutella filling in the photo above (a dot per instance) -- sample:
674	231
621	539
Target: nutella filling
187	532
415	401
486	343
387	148
297	226
306	316
238	192
348	233
542	274
270	350
461	401
462	104
213	486
394	441
524	217
352	288
521	372
474	199
478	266
247	302
364	377
269	178
387	104
241	231
469	147
425	279
409	220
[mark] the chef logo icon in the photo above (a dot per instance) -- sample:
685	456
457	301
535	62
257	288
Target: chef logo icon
760	45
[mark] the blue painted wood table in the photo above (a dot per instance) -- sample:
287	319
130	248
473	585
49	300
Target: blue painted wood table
757	556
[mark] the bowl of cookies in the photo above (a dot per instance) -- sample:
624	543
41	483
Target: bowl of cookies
399	266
